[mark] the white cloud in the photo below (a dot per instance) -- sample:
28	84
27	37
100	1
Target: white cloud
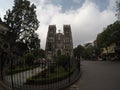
112	5
45	14
2	13
86	22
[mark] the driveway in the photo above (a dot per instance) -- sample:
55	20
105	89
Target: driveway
98	75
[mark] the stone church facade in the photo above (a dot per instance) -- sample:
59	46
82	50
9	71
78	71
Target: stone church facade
59	43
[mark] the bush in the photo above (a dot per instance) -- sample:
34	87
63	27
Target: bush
51	67
63	61
29	58
50	78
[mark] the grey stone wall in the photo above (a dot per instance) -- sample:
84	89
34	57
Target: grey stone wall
59	43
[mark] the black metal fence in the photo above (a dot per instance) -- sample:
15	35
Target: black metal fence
40	75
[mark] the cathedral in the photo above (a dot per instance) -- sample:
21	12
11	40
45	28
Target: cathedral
59	43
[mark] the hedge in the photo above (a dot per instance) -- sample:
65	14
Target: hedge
52	78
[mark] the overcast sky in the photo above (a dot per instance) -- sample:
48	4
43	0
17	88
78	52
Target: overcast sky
86	17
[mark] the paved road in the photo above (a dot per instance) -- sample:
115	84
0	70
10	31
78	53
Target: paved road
98	75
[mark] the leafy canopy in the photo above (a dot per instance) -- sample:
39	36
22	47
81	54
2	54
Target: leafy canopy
110	35
23	21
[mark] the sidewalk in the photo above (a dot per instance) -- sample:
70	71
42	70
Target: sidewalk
23	75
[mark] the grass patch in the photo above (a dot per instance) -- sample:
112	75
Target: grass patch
49	78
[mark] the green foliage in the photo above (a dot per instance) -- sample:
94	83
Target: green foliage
57	76
34	42
23	22
29	58
78	51
62	60
110	35
89	52
51	67
118	9
21	47
39	53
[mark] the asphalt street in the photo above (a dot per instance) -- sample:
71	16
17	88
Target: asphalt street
98	75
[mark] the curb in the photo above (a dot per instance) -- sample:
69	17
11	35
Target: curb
4	86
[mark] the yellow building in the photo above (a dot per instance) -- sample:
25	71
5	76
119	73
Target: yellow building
109	49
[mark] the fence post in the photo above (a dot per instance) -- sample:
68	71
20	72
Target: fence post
11	64
69	69
1	66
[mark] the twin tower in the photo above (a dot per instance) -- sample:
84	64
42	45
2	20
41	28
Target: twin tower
59	43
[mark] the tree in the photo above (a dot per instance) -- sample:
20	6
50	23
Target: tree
118	9
116	32
29	58
23	21
64	61
89	52
110	35
39	53
78	51
34	42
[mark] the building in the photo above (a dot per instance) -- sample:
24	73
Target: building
110	52
110	49
59	43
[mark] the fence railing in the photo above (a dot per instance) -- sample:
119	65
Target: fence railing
40	76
